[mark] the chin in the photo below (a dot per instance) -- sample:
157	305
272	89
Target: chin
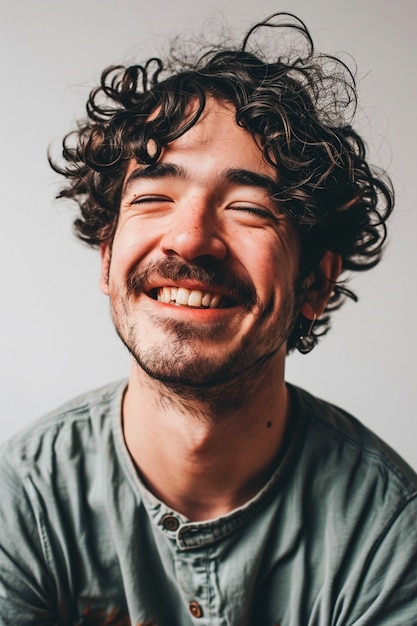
178	371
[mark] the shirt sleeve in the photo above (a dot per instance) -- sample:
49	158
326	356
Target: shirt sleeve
386	590
26	589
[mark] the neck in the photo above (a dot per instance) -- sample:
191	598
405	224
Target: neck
204	452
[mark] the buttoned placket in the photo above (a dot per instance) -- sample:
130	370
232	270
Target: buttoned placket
195	567
197	554
196	549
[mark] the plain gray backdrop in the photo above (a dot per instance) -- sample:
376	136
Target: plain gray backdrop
57	339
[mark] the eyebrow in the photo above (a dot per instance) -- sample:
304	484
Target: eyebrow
239	176
155	171
249	178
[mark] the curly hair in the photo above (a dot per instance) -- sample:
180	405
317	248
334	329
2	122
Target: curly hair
297	107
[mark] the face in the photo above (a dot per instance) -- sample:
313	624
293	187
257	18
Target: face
202	268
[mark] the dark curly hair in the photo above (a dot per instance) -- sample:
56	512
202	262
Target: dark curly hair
297	106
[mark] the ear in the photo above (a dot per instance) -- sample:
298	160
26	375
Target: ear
105	252
316	298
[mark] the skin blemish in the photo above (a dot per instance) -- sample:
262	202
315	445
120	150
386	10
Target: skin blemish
269	424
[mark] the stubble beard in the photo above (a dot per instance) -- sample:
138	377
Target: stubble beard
179	365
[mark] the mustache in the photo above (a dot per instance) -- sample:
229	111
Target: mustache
209	274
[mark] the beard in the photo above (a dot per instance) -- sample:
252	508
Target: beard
177	364
180	364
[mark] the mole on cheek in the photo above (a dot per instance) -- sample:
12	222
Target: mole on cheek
268	424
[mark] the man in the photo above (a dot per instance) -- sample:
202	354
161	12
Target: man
227	198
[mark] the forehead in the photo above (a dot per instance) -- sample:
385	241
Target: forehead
217	134
214	142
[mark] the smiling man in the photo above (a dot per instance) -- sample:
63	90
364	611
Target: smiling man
227	198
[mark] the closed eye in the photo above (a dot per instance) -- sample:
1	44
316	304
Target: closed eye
255	210
149	198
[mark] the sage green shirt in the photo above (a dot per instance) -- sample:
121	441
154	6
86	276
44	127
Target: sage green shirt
331	540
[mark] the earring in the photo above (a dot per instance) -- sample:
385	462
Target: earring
306	340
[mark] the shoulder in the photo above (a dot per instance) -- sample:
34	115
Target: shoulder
48	472
60	435
345	448
353	501
47	468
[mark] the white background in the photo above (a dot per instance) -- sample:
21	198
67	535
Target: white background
56	336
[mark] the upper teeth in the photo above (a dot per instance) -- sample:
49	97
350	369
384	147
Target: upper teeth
187	297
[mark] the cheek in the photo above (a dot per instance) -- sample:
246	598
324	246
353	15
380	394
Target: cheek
273	265
130	248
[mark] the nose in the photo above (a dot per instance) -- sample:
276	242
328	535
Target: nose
193	233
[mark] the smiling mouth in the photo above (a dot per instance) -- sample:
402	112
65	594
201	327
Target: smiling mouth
194	298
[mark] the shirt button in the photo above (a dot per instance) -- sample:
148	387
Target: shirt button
195	609
169	522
